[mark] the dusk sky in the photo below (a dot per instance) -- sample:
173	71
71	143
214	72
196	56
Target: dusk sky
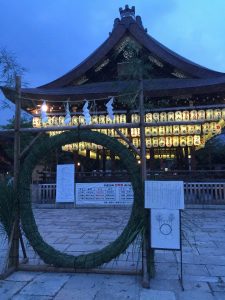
51	37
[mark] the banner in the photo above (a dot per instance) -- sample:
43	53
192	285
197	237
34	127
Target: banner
65	183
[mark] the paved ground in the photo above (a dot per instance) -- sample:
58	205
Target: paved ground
84	230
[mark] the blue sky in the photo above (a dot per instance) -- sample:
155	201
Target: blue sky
51	37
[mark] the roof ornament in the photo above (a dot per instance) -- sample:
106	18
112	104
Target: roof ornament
127	12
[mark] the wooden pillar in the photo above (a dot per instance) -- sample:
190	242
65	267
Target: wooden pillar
14	251
145	248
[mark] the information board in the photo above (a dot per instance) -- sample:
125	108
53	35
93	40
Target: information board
65	183
104	193
164	194
165	229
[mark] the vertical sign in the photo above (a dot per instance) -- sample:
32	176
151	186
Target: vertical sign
65	183
165	198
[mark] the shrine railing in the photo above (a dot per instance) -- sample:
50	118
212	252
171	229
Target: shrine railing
196	193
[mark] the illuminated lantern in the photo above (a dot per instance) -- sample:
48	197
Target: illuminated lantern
183	141
169	130
193	115
209	114
135	132
136	142
197	140
223	113
101	119
178	116
169	141
94	119
36	122
135	118
162	130
111	132
201	115
183	129
75	120
61	120
94	146
215	128
124	131
185	115
189	140
205	128
176	129
81	120
123	118
155	142
198	129
155	117
81	145
147	131
191	129
170	116
104	131
148	143
163	117
148	118
154	130
175	141
162	142
217	114
55	121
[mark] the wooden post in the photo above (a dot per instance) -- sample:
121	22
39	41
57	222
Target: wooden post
14	251
145	278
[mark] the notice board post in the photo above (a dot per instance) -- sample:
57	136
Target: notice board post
166	200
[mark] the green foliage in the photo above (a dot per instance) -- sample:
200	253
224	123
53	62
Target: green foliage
7	200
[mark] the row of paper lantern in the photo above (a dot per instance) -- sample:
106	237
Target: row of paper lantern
178	116
154	142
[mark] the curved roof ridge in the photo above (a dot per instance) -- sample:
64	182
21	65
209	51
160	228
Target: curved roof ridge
133	25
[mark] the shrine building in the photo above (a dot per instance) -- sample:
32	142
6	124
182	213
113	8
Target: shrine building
184	102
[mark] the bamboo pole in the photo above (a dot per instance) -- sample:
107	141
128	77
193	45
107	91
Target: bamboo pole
14	251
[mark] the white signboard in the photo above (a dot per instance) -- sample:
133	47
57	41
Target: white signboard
104	193
165	229
65	183
164	194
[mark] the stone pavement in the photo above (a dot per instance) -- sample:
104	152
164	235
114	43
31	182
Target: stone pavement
84	230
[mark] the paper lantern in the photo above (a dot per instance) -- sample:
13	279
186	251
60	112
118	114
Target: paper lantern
198	129
209	114
189	140
155	117
217	114
123	118
169	130
215	128
178	116
197	140
36	122
101	119
162	130
148	143
191	129
183	141
205	128
162	142
61	120
163	117
147	131
148	118
55	121
169	141
155	142
170	116
111	132
193	115
175	141
135	118
183	129
94	119
185	115
136	142
201	115
176	129
154	130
